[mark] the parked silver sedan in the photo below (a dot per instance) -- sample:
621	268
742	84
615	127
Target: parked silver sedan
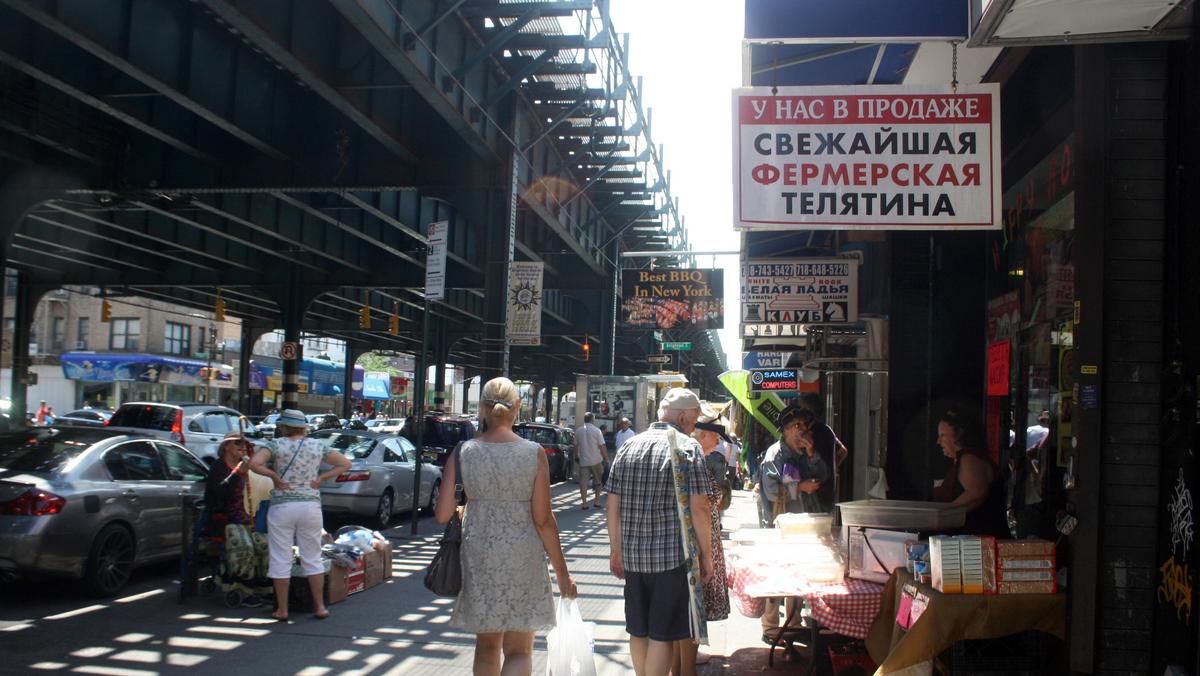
91	503
380	480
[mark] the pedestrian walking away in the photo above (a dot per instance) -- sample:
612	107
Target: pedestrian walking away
624	433
656	484
508	531
593	456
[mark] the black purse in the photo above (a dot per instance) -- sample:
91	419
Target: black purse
444	575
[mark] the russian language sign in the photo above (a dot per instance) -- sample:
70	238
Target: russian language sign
525	303
673	299
779	294
867	157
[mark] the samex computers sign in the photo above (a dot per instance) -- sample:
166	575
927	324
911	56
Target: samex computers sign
867	158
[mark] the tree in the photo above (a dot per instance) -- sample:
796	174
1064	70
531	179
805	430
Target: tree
375	362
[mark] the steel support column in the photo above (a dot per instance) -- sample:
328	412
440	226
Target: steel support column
501	241
245	351
291	312
440	350
609	315
23	308
352	354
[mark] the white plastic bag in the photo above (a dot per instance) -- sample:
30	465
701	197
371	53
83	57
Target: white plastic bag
570	643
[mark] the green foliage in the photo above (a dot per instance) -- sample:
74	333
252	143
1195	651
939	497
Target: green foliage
375	362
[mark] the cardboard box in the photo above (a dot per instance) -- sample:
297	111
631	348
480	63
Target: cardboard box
1026	548
1046	587
356	576
300	598
945	563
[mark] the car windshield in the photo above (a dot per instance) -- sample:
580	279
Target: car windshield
42	453
350	445
270	420
542	435
442	434
146	416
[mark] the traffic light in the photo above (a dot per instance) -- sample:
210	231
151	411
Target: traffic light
364	317
394	321
587	347
105	311
219	309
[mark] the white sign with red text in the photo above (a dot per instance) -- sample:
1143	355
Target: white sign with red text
867	158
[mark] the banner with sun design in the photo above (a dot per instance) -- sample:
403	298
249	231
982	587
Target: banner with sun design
525	303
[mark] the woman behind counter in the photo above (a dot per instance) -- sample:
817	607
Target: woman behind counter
973	481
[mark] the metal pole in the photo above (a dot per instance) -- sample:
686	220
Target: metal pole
418	412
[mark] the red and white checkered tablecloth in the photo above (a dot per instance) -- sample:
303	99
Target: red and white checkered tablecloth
846	607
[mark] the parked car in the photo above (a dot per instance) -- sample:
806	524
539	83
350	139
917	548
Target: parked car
91	503
86	417
442	433
389	425
323	421
266	428
353	424
197	427
380	480
558	442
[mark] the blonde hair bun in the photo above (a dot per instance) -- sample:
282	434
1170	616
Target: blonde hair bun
498	398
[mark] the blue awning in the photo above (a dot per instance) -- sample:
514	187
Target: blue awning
376	388
845	42
147	368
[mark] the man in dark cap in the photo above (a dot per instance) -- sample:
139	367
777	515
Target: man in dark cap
790	478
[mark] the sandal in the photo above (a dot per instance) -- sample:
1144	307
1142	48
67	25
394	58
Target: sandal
278	618
321	616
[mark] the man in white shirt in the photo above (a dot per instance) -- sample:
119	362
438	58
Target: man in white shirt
589	445
624	433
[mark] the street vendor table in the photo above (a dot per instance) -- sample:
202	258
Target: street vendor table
948	618
763	570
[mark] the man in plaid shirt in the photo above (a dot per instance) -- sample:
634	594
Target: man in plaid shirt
644	532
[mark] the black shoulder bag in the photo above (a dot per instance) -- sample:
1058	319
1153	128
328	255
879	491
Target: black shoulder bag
444	575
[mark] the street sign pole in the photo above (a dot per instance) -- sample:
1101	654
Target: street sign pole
419	414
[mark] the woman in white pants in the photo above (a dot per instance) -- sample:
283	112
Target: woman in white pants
295	514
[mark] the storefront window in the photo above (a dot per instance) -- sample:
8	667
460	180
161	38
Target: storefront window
1037	315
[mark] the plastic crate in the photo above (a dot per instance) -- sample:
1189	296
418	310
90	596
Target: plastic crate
1025	653
850	659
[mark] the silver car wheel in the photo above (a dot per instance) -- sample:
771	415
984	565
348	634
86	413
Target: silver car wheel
384	514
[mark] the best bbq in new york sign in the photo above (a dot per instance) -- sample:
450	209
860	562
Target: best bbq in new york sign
867	157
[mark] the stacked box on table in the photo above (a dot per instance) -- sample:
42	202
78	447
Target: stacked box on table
1025	567
945	562
971	563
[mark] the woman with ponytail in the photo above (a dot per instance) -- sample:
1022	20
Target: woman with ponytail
508	531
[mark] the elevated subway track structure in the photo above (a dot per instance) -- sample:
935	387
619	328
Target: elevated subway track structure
288	156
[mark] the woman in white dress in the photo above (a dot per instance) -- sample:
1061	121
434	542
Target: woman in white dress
508	531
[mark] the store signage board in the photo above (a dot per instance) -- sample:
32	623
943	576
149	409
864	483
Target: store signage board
998	355
867	158
524	303
673	299
781	294
765	360
774	380
658	358
677	347
435	260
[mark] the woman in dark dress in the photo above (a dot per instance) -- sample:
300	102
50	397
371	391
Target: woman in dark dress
974	481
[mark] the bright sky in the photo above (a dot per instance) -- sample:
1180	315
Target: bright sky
689	55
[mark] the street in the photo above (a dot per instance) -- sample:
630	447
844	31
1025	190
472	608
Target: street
395	628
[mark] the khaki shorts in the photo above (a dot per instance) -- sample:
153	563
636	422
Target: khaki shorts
592	472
